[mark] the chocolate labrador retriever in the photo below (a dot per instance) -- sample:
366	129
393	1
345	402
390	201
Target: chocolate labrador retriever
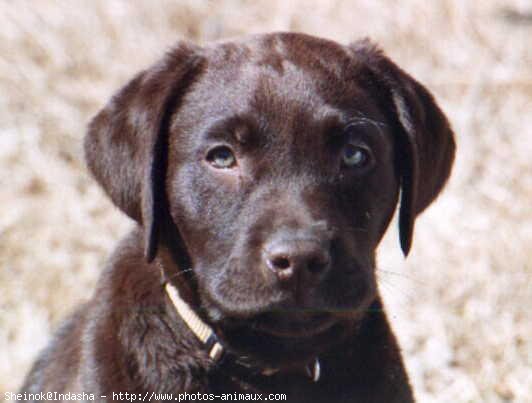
262	174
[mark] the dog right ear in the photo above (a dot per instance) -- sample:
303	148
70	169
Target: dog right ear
426	145
126	143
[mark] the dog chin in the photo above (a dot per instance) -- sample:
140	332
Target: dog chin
280	333
280	339
291	325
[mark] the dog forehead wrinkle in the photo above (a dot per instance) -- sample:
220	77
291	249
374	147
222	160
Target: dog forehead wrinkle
240	127
361	119
370	128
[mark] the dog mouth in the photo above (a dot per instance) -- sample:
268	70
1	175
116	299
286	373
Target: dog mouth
293	326
283	338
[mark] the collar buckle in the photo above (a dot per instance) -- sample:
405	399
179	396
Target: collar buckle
314	370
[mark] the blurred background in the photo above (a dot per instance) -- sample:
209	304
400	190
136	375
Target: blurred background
460	304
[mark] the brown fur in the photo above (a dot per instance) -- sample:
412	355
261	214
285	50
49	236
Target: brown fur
287	105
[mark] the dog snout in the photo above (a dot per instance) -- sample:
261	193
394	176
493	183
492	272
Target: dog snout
294	258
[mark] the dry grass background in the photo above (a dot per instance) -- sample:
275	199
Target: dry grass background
461	302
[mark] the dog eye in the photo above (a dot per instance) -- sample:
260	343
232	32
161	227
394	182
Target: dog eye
355	156
221	157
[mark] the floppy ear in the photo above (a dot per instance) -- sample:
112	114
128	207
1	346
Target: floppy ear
125	146
426	142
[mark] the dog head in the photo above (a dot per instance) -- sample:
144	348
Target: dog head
277	161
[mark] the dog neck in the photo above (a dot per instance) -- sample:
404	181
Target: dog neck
216	351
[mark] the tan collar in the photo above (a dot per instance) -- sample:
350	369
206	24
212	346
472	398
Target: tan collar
202	331
207	336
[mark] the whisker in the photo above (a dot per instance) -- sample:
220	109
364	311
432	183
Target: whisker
403	275
395	290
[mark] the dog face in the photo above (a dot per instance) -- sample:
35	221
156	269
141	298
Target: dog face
277	161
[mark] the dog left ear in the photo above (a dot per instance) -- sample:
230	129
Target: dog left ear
126	142
426	144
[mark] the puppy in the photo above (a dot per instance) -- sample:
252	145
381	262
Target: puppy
262	174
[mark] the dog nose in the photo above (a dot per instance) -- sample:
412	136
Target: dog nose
294	258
